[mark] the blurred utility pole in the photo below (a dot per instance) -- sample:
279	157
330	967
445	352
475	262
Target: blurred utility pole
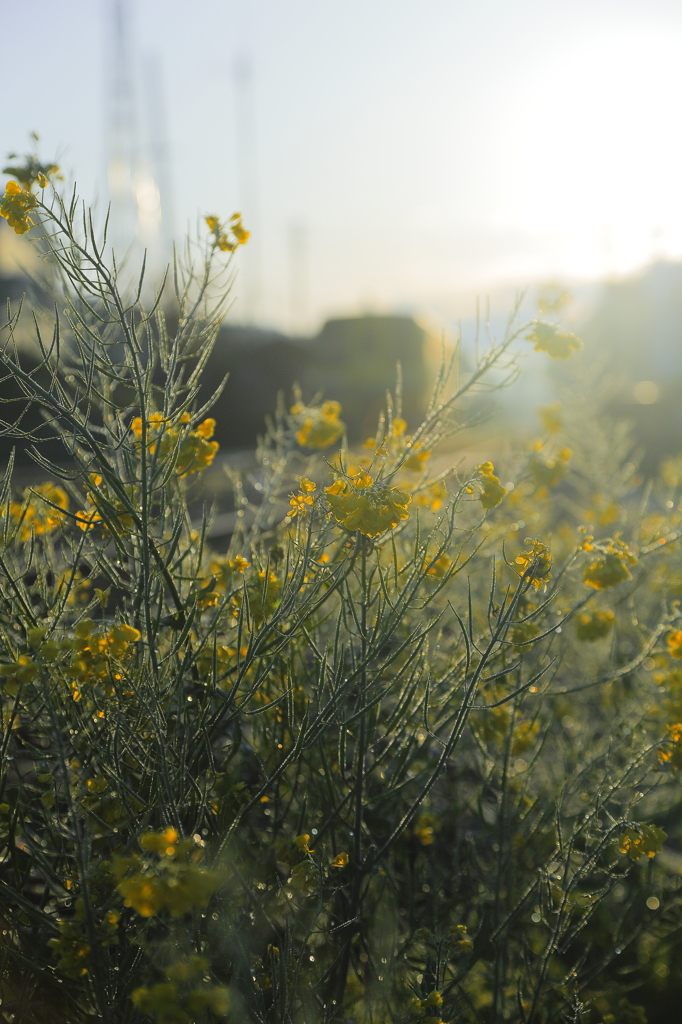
136	149
299	272
159	169
121	128
249	288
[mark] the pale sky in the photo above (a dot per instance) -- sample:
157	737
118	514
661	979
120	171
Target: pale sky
411	152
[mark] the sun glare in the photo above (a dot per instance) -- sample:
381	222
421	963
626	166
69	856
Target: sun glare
600	152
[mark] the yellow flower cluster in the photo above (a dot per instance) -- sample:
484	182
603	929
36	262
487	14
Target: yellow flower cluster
32	172
427	1009
173	1002
221	233
612	565
671	753
71	946
16	206
674	643
262	596
535	563
460	934
550	416
193	449
602	511
522	632
554	340
524	736
418	455
94	651
645	840
361	503
425	828
594	625
433	497
492	491
37	513
226	571
548	472
440	567
318	427
23	670
301	503
172	881
100	500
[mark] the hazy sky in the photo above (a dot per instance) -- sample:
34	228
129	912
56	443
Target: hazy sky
406	153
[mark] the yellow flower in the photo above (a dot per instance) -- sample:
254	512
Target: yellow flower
554	340
459	933
440	567
143	894
536	564
205	429
224	569
239	564
417	459
425	828
611	568
644	840
300	503
362	504
492	491
31	172
301	843
160	842
340	860
548	472
88	519
169	883
238	229
674	642
93	651
672	753
38	516
433	497
524	736
318	427
594	625
99	501
15	207
522	632
195	452
221	238
602	512
551	418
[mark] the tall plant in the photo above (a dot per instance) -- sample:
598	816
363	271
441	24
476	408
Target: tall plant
361	765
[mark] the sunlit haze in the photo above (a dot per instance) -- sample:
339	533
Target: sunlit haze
387	154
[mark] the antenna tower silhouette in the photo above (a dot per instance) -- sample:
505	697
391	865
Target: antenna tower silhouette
137	149
121	129
247	169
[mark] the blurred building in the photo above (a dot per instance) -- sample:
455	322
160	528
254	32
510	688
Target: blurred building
258	365
636	332
351	360
354	361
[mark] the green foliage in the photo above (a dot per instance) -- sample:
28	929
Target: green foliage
362	765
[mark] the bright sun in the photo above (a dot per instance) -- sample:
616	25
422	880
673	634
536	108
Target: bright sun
598	149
